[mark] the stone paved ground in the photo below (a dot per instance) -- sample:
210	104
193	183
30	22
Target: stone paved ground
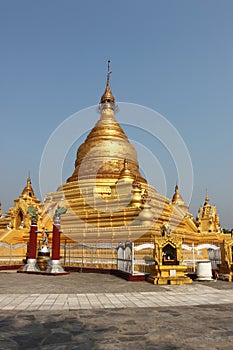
116	314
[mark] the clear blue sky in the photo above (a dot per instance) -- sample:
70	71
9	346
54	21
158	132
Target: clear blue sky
172	56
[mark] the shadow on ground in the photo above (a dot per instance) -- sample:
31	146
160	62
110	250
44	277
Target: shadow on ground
190	328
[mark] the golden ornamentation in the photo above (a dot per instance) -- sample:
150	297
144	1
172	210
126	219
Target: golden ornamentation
168	260
106	195
226	267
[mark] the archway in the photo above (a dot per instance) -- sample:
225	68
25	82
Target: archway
169	255
19	219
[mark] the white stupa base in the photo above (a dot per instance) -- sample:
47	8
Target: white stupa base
55	267
31	266
204	271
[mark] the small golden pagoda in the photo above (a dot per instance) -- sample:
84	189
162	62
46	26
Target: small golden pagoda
207	218
15	225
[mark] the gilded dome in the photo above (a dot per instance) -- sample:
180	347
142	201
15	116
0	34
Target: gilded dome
177	197
104	151
106	147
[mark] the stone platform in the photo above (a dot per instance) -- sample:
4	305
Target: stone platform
94	311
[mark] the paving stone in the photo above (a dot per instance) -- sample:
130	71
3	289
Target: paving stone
100	312
8	345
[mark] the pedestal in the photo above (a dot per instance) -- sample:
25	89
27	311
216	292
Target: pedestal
204	271
56	268
31	266
169	274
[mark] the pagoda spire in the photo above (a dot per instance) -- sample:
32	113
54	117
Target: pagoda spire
177	200
108	75
176	195
28	190
206	198
107	100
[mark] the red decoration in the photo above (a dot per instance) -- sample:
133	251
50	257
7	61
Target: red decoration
32	242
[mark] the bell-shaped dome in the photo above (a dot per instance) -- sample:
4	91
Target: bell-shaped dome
106	147
146	216
178	201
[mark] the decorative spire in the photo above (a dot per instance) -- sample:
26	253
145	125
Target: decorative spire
108	75
29	181
177	200
28	190
107	100
206	198
176	195
125	172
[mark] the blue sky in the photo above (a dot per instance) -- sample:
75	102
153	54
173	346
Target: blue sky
172	56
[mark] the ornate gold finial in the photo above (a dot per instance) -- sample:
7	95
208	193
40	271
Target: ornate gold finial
28	190
107	100
125	172
29	180
206	197
176	194
108	74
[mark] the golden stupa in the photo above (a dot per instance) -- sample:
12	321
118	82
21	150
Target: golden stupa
108	200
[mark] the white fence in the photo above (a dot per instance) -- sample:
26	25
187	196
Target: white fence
126	256
123	257
84	255
214	255
11	254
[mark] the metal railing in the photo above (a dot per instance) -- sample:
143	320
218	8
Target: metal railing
83	255
12	254
106	255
